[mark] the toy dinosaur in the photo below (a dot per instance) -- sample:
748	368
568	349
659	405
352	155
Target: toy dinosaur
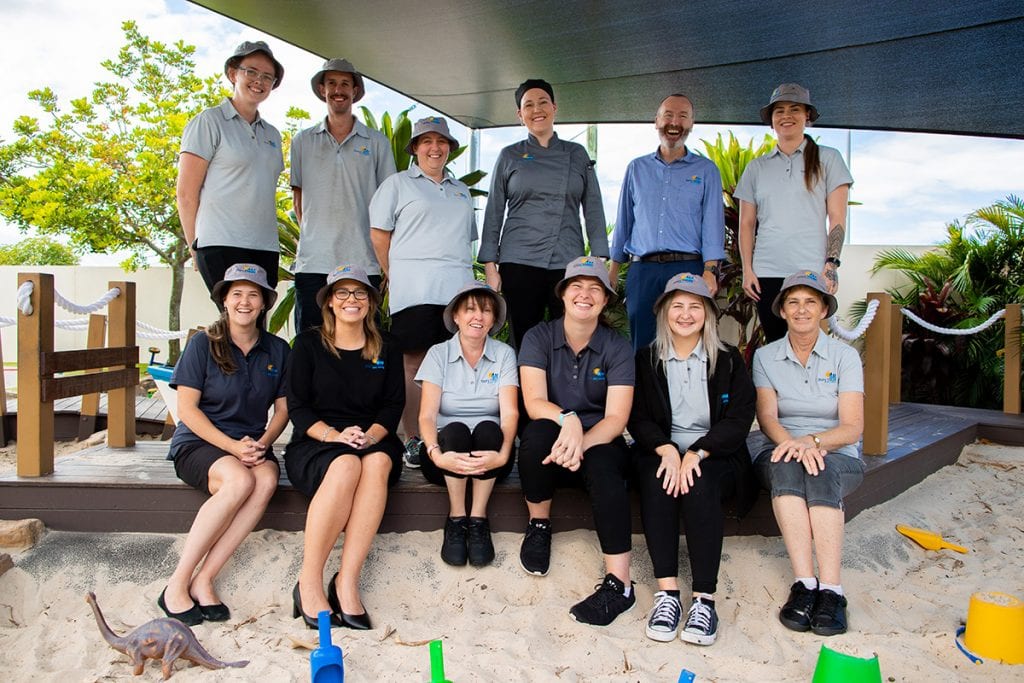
165	639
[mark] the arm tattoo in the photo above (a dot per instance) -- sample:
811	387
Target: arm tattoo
836	236
832	275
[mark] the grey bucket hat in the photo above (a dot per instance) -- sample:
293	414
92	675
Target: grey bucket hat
686	282
344	66
249	272
431	124
247	48
811	280
586	266
346	272
789	92
478	288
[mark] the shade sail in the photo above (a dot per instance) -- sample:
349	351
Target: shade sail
916	66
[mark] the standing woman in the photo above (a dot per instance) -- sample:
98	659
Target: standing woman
468	418
577	378
227	379
692	411
422	233
532	221
786	198
345	395
228	170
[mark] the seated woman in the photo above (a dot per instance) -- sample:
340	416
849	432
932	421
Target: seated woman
810	407
692	411
345	395
468	418
227	379
577	378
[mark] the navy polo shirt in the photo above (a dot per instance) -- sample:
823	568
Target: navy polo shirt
236	404
579	381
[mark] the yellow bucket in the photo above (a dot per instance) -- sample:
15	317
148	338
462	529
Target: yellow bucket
995	627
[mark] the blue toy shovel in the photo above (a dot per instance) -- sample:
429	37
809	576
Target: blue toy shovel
437	663
325	662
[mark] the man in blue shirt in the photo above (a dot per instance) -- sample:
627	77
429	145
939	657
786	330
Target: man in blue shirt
671	218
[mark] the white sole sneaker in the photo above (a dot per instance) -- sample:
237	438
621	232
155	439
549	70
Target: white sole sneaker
660	636
697	638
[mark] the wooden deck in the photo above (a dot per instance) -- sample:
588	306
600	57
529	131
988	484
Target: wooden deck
135	489
150	414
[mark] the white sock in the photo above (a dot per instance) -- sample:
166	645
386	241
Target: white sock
809	583
837	588
628	591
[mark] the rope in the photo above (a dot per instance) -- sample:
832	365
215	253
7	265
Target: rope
862	327
942	330
149	332
24	297
25	301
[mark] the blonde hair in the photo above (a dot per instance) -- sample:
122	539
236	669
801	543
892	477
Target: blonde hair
663	345
374	342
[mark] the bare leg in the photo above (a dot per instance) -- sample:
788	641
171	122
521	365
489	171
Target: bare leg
482	489
328	513
669	583
456	496
541	510
246	518
827	525
618	565
795	523
231	484
410	416
371	494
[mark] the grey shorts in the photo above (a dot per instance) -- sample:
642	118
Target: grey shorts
841	476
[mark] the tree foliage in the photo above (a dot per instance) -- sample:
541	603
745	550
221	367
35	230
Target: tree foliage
37	251
101	170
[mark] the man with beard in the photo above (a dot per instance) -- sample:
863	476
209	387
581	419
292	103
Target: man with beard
671	218
336	167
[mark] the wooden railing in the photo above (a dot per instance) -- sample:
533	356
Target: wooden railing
882	368
38	364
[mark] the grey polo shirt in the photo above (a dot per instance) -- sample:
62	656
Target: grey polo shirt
337	180
791	222
808	396
237	201
542	189
469	395
580	381
688	395
432	234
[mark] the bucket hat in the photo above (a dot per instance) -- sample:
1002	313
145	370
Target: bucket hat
249	272
686	282
245	49
586	266
346	272
789	92
810	279
475	287
431	124
344	66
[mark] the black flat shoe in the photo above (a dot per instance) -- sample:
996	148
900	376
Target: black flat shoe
311	622
359	622
796	613
218	612
193	616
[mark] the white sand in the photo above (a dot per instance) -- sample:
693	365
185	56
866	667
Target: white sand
500	624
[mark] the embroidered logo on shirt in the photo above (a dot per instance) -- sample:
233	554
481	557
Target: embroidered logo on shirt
490	378
829	378
460	194
527	156
271	370
695	179
364	150
597	375
377	364
272	144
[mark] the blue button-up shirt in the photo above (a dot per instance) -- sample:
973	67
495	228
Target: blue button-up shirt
670	207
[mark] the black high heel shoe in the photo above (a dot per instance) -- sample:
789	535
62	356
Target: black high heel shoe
190	617
359	622
311	622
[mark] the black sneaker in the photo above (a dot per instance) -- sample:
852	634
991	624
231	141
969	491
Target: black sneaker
829	618
412	452
796	613
606	603
453	547
663	622
481	549
535	553
701	623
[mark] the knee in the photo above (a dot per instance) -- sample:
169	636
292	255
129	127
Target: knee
343	472
237	484
266	480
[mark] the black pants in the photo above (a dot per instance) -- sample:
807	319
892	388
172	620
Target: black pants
529	291
212	262
604	473
774	327
455	436
703	518
307	313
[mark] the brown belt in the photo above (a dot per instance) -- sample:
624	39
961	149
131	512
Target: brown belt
667	257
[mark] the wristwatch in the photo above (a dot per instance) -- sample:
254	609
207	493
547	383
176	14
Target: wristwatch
713	268
834	261
817	440
702	454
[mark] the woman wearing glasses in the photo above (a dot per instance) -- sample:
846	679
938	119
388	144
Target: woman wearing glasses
345	398
228	170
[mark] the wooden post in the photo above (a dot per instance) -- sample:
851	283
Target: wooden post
1011	360
91	402
3	402
878	360
35	418
121	402
896	361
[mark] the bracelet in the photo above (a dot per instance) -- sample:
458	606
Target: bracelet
373	441
562	416
432	447
833	260
323	439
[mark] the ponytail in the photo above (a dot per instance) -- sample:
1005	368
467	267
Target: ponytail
812	163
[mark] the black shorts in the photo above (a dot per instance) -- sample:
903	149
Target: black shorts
417	328
193	461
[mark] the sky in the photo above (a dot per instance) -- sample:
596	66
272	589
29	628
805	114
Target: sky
909	185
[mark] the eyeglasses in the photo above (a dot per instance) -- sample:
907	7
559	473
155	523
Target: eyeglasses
343	294
254	75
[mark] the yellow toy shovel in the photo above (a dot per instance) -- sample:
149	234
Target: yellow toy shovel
929	540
